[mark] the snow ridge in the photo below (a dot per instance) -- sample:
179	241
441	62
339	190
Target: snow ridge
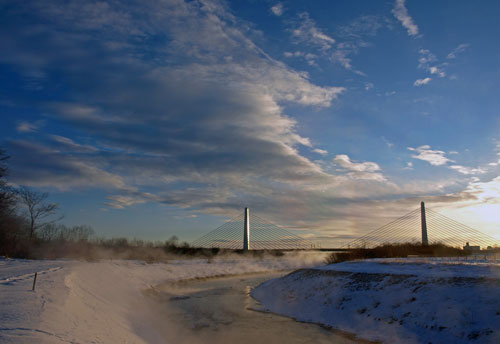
393	302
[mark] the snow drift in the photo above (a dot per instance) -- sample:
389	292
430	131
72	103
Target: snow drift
393	302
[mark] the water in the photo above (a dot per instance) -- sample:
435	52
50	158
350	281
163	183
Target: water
221	310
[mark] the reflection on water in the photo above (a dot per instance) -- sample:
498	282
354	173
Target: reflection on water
221	310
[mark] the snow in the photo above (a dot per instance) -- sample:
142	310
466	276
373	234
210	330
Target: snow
394	300
103	302
428	267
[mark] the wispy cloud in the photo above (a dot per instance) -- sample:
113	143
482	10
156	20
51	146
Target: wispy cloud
433	157
438	71
340	56
69	145
458	50
429	62
360	28
38	165
409	166
181	124
308	31
467	170
173	102
320	151
344	161
361	170
401	13
387	142
420	82
26	127
426	57
351	39
309	57
439	158
277	9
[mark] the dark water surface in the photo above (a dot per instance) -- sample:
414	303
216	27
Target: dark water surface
221	310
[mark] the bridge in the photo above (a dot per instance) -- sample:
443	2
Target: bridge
424	226
259	234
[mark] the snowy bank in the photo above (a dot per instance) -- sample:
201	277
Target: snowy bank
102	302
393	301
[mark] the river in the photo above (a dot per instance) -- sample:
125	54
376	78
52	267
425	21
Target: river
221	310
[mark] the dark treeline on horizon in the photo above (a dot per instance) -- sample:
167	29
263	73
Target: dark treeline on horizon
29	228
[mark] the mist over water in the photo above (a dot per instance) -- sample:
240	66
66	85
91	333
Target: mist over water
221	310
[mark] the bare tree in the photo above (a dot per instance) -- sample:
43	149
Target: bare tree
7	199
38	208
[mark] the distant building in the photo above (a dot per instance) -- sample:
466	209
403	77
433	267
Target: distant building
468	247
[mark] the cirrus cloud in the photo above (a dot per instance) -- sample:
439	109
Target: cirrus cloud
401	13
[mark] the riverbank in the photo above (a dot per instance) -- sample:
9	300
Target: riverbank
104	302
394	301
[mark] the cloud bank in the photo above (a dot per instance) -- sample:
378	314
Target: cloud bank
172	102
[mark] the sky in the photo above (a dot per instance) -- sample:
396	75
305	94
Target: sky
330	118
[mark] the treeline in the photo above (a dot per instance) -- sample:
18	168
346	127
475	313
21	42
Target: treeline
396	251
79	242
29	229
27	219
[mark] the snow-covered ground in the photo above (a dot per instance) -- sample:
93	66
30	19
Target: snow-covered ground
102	302
394	300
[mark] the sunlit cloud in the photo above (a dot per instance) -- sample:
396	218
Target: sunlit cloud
436	70
344	161
420	82
203	120
433	157
320	151
185	104
477	205
361	170
467	170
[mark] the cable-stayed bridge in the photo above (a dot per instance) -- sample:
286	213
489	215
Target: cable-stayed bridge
259	234
427	227
421	225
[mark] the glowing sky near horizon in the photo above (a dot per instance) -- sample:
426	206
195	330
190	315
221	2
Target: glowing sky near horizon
153	118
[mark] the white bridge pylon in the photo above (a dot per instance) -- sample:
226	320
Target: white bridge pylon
251	233
424	226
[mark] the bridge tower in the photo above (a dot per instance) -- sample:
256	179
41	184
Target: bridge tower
425	240
246	231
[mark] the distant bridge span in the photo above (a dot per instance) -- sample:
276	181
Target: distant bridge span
421	225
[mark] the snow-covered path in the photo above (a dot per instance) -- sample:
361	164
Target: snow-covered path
101	302
20	307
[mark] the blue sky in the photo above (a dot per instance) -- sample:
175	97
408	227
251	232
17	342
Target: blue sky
153	118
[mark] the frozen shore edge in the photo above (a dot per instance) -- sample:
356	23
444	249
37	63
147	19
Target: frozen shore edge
421	304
